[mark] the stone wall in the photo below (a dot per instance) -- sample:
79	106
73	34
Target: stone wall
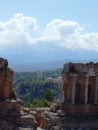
6	79
80	83
11	115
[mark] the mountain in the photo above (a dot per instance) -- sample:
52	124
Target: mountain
39	66
44	56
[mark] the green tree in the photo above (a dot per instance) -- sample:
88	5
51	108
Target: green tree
49	95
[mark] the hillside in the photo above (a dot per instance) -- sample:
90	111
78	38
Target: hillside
34	85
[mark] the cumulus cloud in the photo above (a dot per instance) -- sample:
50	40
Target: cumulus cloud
17	30
63	28
22	29
20	23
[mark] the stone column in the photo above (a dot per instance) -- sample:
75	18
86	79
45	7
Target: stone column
73	88
86	89
63	96
96	89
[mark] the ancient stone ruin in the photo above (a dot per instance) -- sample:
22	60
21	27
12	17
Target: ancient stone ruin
75	109
77	106
80	87
11	115
6	77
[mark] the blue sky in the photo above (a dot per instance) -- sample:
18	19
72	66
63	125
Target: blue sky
47	28
83	11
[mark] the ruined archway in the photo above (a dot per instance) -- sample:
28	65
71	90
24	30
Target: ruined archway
72	69
90	94
79	95
91	90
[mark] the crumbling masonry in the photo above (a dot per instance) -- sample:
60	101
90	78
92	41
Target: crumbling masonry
80	87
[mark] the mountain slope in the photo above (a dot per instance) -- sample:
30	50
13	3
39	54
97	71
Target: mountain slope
45	56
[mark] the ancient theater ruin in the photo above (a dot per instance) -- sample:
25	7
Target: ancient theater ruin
80	87
77	106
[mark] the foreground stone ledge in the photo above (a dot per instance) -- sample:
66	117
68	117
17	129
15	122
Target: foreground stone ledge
79	108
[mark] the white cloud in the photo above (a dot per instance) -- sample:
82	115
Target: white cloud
20	23
22	30
63	32
63	28
89	41
17	30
